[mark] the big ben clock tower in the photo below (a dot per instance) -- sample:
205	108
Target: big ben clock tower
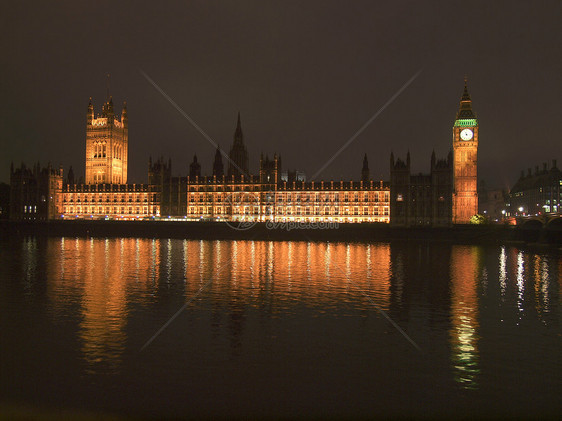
465	149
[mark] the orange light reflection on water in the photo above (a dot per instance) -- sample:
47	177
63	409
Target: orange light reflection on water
465	268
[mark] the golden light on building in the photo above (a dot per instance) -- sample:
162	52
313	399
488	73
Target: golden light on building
448	194
107	145
298	201
110	201
465	151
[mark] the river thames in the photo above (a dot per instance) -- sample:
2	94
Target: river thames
177	328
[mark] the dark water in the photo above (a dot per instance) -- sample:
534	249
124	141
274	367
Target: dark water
276	329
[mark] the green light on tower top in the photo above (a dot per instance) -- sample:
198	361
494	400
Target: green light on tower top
466	122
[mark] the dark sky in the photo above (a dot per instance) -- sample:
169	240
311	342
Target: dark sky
304	75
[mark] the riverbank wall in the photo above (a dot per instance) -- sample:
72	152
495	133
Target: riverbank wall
366	232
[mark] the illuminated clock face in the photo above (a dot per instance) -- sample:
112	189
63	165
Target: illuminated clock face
466	134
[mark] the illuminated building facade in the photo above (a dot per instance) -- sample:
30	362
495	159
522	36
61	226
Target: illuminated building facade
445	196
465	160
251	200
110	201
105	193
107	145
245	197
234	196
536	193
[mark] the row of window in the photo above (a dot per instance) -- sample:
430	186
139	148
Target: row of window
211	187
318	197
255	210
100	150
100	177
106	198
115	199
109	210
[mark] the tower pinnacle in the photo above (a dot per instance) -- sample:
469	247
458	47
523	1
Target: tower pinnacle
365	170
238	164
238	135
465	107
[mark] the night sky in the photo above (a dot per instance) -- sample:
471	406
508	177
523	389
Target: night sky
305	77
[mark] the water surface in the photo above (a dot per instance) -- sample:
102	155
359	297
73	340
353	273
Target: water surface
279	328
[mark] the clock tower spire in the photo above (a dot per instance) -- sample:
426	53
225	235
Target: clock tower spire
465	151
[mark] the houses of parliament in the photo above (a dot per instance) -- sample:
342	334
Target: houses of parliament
445	196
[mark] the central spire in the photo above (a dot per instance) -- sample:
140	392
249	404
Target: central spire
238	164
365	170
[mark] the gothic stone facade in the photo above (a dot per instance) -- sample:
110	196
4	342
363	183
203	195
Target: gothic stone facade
35	193
107	145
421	199
465	150
448	194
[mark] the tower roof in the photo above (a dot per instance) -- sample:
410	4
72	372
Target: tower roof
465	107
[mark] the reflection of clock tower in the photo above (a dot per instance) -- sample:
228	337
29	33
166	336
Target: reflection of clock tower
465	148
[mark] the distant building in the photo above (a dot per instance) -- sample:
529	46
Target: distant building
491	202
536	193
35	193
